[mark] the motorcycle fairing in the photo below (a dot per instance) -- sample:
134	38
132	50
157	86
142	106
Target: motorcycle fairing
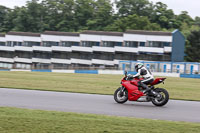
133	93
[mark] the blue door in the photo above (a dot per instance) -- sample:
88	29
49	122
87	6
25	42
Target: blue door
165	68
191	69
178	68
124	66
148	66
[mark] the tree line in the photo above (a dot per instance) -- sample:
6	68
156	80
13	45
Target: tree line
100	15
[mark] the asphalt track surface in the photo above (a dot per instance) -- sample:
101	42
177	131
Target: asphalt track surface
175	110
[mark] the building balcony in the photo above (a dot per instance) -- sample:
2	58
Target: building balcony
151	49
167	49
126	49
81	61
6	48
39	60
62	49
23	60
61	61
82	49
4	59
23	48
103	49
103	62
41	48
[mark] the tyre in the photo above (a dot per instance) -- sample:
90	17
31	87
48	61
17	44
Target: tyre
121	97
163	97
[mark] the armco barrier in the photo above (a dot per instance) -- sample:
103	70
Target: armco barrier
190	75
87	71
110	72
20	70
63	71
4	69
41	70
107	72
166	74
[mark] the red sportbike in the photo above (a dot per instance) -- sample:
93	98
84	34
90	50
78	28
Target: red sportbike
130	91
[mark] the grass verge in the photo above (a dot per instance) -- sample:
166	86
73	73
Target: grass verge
179	88
13	120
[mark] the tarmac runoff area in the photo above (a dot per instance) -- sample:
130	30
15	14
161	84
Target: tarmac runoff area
174	110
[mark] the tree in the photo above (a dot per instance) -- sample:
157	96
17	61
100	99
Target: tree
29	18
192	47
3	16
103	15
130	7
133	22
84	11
163	16
59	15
197	21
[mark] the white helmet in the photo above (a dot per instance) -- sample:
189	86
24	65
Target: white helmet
138	66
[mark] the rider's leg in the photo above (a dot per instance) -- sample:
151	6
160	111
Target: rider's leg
144	84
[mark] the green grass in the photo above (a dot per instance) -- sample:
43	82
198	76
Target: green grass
13	120
179	88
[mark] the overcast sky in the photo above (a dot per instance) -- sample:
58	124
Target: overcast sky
191	6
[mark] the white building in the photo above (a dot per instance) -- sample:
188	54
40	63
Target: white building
88	49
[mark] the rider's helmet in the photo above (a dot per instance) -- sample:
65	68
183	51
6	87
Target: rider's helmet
138	66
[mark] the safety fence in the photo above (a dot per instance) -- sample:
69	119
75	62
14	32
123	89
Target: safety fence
191	68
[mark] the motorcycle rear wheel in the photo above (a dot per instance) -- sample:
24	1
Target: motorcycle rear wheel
121	97
163	99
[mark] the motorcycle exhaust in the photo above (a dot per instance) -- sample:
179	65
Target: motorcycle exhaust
143	99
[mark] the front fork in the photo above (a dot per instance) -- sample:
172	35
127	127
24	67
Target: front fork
122	90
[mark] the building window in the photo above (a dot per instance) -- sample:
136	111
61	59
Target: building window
49	43
158	44
23	54
60	55
11	43
111	44
89	43
142	44
69	44
6	54
43	55
118	44
17	43
86	56
167	44
2	43
30	44
103	56
131	44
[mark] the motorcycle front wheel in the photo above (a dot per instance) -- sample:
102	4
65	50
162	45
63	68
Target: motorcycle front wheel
121	97
162	98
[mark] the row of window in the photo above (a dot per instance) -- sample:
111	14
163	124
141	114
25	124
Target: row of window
88	56
88	44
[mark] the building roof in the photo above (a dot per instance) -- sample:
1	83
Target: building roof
106	33
103	33
143	32
24	34
60	33
2	35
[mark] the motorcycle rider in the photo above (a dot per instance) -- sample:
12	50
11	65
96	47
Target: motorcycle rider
146	74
